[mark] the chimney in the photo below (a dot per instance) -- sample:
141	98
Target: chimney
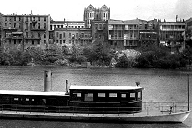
176	17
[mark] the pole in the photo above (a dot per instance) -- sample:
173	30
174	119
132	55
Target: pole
67	93
188	90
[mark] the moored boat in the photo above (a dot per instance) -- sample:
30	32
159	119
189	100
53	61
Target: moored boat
104	103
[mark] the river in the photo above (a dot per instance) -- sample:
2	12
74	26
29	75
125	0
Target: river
160	86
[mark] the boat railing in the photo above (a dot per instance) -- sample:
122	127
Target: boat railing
165	106
147	108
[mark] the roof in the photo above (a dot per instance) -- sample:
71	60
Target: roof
75	87
33	93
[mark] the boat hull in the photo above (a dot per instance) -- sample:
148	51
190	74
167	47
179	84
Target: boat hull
166	118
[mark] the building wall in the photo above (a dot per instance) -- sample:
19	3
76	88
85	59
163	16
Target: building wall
131	33
72	36
66	24
23	31
1	30
171	31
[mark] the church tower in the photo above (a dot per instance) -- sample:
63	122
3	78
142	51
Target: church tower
98	14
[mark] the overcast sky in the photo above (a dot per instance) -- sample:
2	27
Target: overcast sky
120	9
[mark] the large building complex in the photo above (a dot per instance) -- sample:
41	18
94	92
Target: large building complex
28	30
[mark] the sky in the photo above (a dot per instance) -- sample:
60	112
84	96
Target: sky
72	10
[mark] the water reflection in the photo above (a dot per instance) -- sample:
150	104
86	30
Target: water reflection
4	123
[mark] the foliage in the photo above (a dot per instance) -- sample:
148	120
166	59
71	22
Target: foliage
122	62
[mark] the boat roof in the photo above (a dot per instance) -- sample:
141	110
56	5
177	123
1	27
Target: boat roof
34	93
75	87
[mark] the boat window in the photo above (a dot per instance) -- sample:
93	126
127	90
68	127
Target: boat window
27	99
89	97
32	99
112	94
16	99
101	94
139	95
123	95
132	95
77	94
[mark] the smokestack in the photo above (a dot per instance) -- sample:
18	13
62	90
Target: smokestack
47	81
176	17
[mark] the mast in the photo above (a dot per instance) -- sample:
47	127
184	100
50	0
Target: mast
188	90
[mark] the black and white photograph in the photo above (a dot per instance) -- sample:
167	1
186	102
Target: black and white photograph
96	64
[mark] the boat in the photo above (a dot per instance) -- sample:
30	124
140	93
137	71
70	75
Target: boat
88	103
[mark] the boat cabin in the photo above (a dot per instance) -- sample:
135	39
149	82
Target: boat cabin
125	98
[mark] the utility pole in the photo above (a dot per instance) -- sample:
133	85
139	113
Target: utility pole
188	91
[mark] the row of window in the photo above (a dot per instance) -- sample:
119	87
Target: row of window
63	26
26	18
19	42
77	35
100	95
18	25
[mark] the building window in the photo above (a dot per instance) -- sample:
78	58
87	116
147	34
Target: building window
69	35
32	42
44	18
15	42
39	26
44	25
39	35
57	34
60	36
60	41
44	35
63	35
14	25
63	41
38	42
39	18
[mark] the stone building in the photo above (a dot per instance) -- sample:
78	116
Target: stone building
91	13
24	31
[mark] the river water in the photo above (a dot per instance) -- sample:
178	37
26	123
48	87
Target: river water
160	86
